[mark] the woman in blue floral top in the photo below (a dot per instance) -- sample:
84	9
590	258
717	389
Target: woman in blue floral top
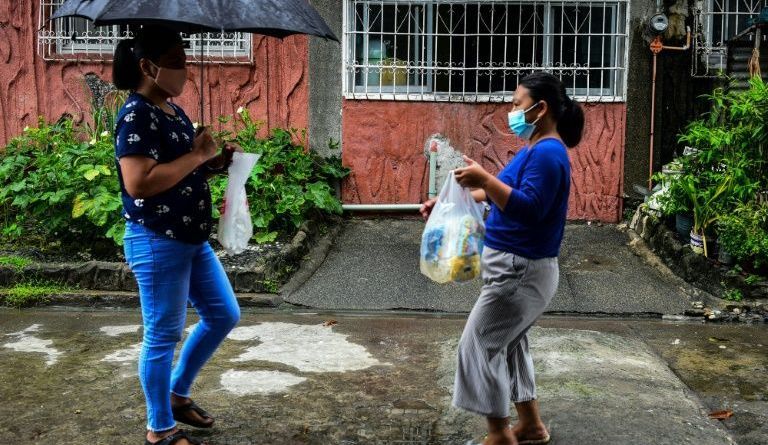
163	168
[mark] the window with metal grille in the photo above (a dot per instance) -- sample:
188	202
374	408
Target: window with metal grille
77	39
715	23
448	50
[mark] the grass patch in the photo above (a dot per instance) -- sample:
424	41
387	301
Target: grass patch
17	262
28	294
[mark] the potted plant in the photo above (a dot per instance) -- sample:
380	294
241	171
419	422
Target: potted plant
672	201
704	199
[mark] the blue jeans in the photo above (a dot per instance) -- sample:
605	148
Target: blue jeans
170	273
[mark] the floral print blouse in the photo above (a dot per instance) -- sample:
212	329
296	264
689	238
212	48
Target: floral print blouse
183	212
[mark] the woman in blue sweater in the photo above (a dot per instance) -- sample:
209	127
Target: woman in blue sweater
529	203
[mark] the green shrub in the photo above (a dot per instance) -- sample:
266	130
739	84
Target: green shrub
727	166
289	184
53	174
743	233
58	181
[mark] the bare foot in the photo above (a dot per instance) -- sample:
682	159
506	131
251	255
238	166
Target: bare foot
505	437
530	432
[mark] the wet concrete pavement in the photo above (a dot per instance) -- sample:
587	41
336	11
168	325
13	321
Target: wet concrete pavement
599	274
69	377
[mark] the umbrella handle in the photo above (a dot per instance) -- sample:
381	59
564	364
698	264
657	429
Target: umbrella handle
202	73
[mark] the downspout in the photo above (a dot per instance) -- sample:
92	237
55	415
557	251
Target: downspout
656	47
432	169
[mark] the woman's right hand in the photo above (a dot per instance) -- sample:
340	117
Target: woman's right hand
426	208
204	146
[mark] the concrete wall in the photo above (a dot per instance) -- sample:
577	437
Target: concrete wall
677	93
275	88
638	98
325	81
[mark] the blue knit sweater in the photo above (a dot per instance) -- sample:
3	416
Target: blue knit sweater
533	222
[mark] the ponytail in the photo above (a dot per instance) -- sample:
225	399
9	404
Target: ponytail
566	112
570	125
126	73
150	43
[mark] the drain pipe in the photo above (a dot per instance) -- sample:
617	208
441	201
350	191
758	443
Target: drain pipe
403	207
656	47
381	207
433	169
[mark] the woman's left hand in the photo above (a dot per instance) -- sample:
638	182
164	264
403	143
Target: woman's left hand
223	160
229	150
471	176
233	146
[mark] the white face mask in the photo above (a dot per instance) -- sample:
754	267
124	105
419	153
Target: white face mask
171	80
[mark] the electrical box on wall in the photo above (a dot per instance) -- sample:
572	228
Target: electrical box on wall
659	23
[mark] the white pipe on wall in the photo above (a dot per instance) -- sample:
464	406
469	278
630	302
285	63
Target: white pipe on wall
381	207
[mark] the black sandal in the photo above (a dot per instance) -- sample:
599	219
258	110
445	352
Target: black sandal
181	414
174	438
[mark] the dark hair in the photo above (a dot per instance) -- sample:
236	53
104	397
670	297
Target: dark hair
149	42
566	112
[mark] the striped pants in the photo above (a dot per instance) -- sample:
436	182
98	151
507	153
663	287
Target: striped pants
494	364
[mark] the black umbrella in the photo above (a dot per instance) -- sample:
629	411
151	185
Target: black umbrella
277	18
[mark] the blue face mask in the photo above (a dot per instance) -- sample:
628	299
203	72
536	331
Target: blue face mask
519	125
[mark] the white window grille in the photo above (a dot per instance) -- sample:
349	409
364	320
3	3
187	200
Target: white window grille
715	23
449	50
76	39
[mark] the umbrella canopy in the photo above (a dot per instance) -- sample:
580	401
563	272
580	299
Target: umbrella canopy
277	18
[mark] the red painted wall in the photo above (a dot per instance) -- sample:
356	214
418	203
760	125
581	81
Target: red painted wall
274	88
384	141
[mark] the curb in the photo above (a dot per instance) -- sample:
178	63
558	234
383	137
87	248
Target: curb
106	299
651	240
312	262
102	284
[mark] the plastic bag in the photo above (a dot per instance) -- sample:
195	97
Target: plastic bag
452	241
235	227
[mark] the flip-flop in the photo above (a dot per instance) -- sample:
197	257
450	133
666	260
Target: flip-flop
174	438
182	414
543	441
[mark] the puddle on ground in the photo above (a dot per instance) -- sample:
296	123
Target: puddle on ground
125	355
244	383
116	331
28	343
308	348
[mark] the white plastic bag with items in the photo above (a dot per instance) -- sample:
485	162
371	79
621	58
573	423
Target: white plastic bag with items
235	227
452	241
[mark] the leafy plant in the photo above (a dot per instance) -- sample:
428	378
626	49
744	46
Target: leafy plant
58	172
744	233
727	167
58	181
289	183
733	295
673	198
